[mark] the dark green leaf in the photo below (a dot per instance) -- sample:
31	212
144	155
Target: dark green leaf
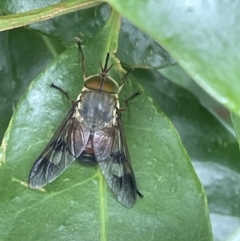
78	204
138	50
25	5
47	11
23	56
212	148
202	37
84	24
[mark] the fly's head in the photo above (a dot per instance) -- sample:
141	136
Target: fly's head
103	82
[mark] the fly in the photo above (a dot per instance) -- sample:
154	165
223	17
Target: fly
92	132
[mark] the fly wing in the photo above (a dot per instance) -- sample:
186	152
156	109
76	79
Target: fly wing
111	153
65	146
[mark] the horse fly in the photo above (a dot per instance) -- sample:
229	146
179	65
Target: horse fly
92	132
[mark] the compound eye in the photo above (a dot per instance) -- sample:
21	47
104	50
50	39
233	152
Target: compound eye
94	83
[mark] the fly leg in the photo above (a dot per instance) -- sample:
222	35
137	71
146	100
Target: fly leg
82	56
127	100
131	98
83	70
63	92
124	78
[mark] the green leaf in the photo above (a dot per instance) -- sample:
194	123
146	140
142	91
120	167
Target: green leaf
138	50
78	204
24	55
201	37
179	76
38	15
25	6
212	147
235	236
85	23
236	123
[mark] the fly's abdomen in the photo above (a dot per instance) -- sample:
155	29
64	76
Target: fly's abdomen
97	109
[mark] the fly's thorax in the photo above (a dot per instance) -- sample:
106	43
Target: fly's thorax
97	109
